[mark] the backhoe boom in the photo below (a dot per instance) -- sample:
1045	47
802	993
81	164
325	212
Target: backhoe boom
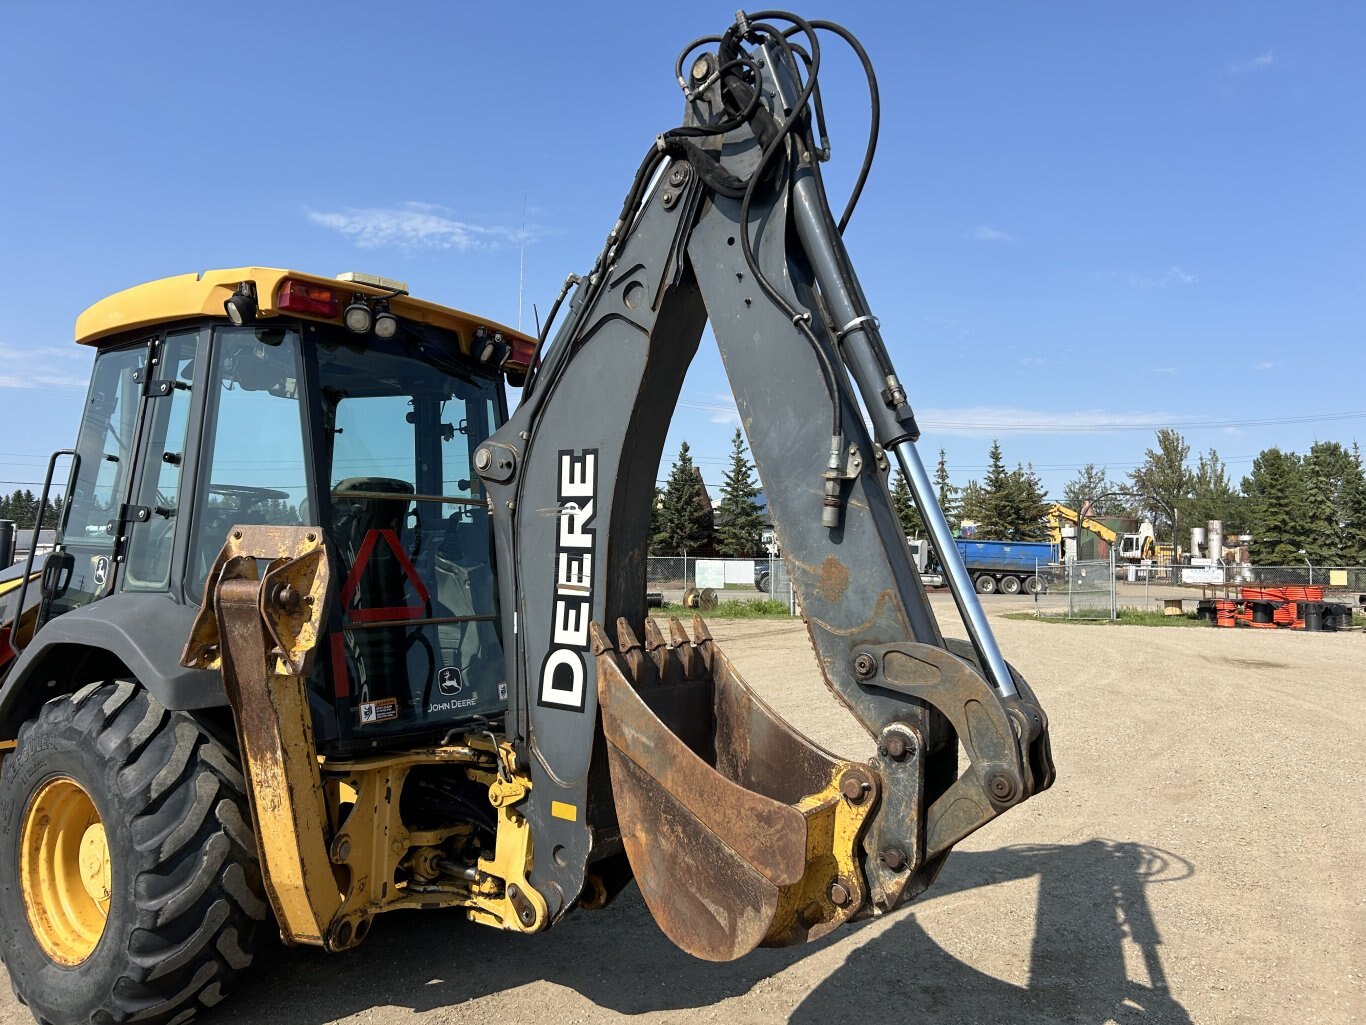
728	223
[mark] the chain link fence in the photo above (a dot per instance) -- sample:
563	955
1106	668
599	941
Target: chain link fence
1082	589
669	579
1079	589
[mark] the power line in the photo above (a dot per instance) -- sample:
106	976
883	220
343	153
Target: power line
1082	426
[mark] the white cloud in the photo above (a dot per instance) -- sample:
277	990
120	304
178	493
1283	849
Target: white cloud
417	226
1267	365
1258	63
958	328
44	367
1032	361
1162	370
975	421
1172	277
721	407
985	233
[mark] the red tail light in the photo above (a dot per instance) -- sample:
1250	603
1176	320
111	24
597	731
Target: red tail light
302	297
522	351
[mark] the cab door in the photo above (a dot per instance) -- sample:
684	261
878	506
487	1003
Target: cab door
125	496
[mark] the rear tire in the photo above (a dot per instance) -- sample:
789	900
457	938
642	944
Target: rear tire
1010	585
1035	585
985	584
184	888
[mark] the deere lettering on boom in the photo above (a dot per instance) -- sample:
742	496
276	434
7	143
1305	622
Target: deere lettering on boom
329	632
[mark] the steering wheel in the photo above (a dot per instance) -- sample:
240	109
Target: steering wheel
249	496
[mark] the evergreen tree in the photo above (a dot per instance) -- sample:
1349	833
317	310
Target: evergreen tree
1164	480
997	498
948	494
685	522
1353	497
906	512
22	508
1028	506
972	507
739	524
1326	471
1276	506
1088	486
655	521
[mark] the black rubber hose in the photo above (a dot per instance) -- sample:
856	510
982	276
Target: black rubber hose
875	112
799	319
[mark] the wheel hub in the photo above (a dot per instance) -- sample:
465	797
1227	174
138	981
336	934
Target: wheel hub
65	871
94	862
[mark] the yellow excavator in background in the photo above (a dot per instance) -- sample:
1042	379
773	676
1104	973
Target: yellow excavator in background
1131	547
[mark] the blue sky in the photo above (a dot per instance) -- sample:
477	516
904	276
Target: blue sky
1082	215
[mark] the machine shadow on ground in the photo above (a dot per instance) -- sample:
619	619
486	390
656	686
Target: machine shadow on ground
1092	900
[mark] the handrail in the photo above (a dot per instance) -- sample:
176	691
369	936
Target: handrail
37	530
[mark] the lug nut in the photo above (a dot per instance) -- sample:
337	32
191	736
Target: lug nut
865	665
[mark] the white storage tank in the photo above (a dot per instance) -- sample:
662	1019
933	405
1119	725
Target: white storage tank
1216	539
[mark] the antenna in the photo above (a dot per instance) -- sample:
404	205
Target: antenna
521	262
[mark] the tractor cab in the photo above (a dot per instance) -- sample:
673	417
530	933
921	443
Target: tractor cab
258	396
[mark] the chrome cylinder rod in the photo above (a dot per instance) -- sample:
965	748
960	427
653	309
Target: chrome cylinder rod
955	570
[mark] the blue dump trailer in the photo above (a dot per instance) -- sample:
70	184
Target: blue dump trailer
1011	567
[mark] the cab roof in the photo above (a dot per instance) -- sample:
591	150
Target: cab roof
203	294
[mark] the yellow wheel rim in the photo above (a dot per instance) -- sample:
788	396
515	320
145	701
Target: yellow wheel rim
64	871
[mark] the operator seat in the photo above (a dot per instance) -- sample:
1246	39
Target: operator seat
361	506
465	587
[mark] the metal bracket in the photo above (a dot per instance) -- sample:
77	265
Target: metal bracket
853	465
502	896
1005	738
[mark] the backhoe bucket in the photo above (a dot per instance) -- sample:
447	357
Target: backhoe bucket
740	831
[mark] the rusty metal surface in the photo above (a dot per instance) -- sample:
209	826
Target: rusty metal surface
759	844
274	724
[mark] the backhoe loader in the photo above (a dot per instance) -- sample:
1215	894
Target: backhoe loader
329	633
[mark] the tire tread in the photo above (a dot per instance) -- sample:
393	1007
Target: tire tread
196	900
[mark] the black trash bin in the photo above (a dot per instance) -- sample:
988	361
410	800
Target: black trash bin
1337	616
1313	616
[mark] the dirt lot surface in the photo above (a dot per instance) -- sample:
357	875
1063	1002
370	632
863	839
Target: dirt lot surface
1201	859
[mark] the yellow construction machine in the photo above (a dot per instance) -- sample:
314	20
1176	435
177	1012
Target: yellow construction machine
329	632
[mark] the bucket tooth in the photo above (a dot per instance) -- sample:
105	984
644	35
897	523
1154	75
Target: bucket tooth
597	640
642	669
739	830
684	649
658	649
705	646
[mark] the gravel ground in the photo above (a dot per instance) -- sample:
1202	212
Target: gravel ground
1199	860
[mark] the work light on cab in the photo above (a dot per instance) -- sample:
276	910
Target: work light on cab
358	317
241	305
386	324
490	348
